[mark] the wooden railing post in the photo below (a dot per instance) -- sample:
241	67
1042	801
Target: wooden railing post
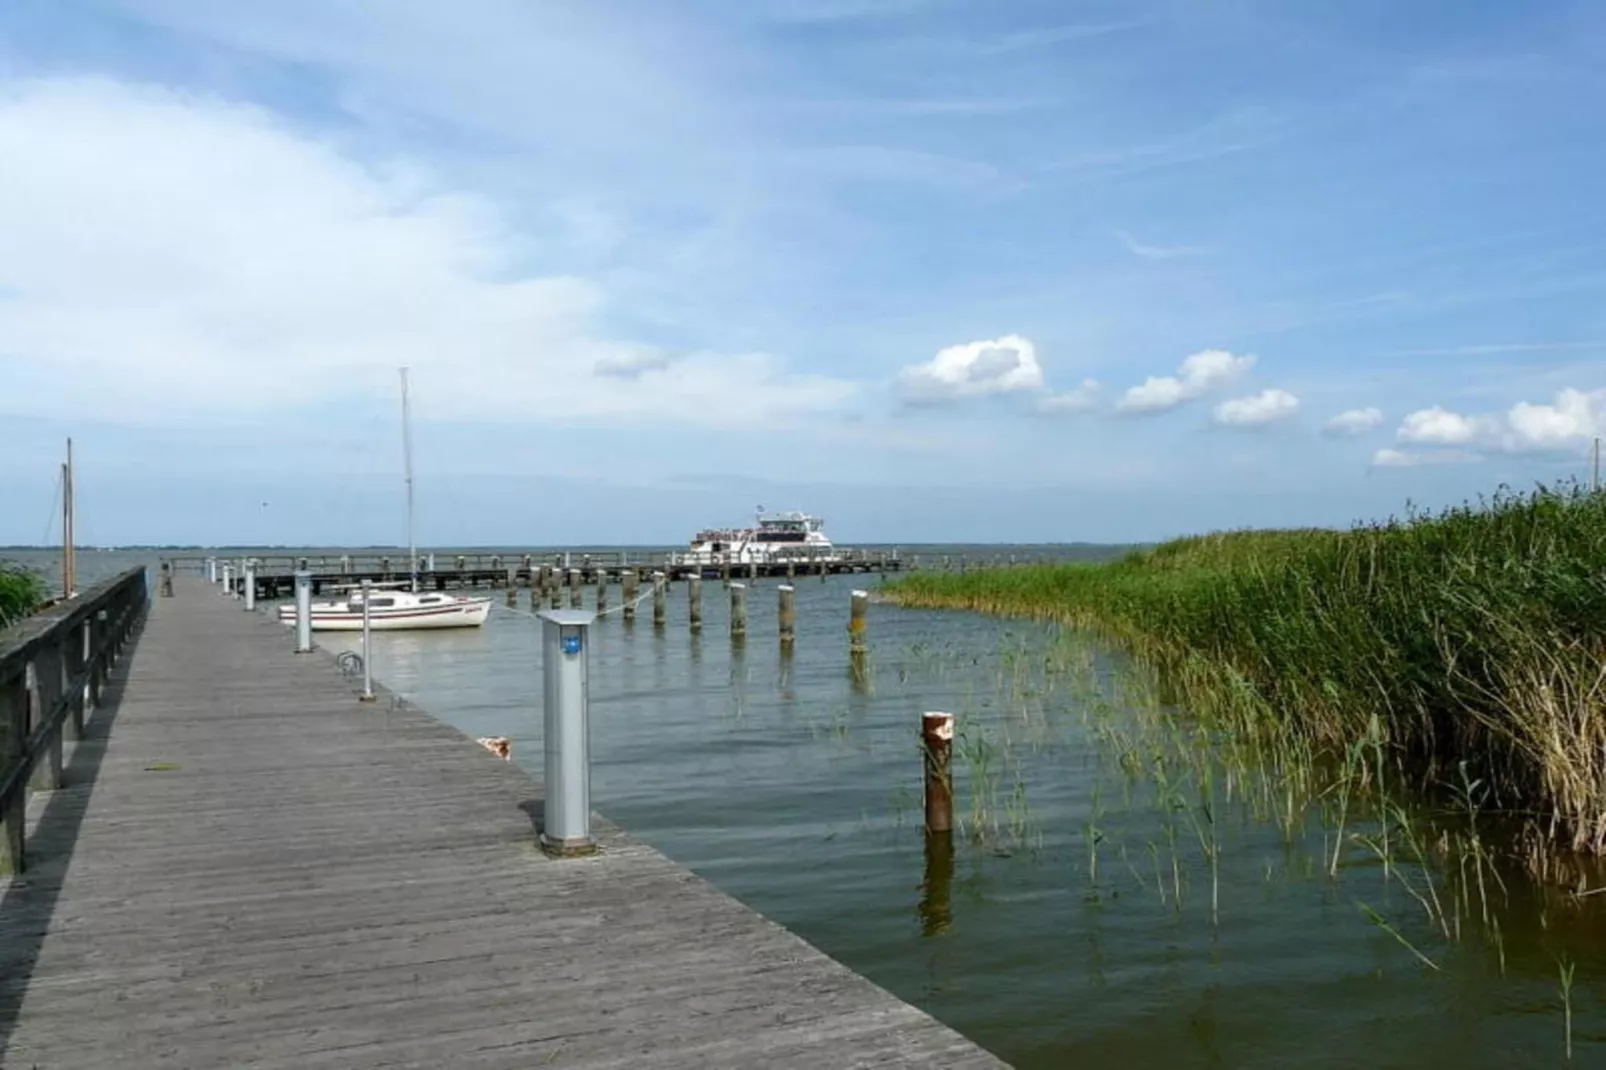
44	682
13	737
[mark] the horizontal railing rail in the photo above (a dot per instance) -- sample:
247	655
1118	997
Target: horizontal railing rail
52	668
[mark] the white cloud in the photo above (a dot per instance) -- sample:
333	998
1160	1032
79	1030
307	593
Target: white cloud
975	369
1256	410
1198	374
171	254
1354	422
1392	458
1570	423
1083	398
1440	427
1567	424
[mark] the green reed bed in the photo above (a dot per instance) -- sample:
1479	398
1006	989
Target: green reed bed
1470	639
20	593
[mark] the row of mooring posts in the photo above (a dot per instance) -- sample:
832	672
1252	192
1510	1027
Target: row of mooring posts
566	829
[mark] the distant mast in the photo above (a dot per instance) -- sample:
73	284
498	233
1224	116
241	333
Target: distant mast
407	464
69	564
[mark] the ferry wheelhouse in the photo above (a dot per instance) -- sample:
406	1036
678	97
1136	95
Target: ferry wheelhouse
776	538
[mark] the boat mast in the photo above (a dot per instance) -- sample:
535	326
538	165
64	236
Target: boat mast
69	566
407	463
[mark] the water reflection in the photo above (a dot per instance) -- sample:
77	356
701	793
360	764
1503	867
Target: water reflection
936	911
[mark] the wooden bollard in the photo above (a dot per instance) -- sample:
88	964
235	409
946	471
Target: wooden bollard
936	742
629	595
577	581
602	591
859	623
786	596
555	589
725	574
738	611
694	601
660	600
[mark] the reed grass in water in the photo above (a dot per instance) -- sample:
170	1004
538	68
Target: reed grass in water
1467	643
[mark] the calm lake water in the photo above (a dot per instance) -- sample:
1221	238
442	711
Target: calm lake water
1074	925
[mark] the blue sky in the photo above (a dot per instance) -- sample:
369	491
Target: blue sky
937	269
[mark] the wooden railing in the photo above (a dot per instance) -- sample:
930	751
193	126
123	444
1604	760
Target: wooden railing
52	668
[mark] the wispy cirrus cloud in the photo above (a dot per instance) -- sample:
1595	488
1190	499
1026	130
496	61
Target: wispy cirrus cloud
1147	251
1049	36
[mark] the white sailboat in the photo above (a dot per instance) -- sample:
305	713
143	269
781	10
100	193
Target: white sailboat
391	608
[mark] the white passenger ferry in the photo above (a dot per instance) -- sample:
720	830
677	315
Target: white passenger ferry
776	538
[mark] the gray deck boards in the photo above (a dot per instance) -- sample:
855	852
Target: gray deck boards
325	884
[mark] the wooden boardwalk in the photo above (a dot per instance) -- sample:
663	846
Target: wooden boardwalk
248	868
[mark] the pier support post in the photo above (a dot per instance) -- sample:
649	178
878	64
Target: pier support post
602	592
250	591
787	595
694	601
367	642
628	582
577	581
211	570
725	574
566	824
660	601
228	579
303	612
13	737
936	743
738	612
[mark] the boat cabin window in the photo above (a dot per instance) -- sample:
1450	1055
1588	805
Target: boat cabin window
430	600
381	603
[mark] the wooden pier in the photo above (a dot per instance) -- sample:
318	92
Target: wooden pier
245	866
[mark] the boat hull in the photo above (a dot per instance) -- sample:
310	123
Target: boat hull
470	613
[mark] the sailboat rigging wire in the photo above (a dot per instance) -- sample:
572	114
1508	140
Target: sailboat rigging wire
55	511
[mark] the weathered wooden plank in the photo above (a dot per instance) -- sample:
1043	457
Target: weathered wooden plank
246	866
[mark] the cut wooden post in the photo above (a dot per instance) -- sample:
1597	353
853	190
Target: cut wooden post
13	737
576	582
858	622
738	611
628	594
787	597
602	592
555	589
694	601
660	600
936	742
